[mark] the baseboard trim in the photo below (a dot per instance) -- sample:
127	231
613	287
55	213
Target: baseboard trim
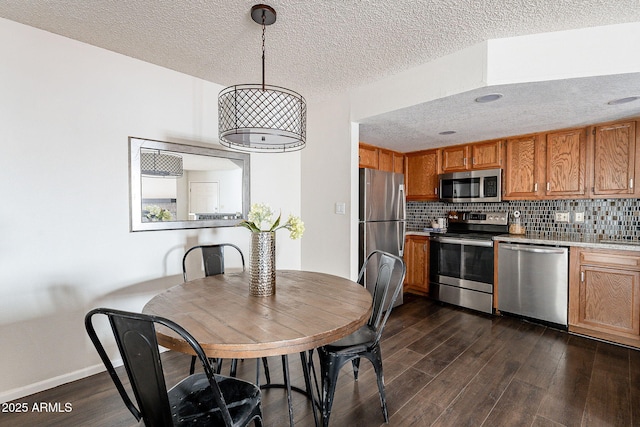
30	389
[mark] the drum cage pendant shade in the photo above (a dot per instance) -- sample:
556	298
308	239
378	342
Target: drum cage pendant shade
156	163
260	117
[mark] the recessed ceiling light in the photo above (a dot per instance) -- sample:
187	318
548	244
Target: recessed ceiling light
623	100
447	132
489	98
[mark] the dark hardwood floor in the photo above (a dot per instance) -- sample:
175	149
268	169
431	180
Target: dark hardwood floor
444	366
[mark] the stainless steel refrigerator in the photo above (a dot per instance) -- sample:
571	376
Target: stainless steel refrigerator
382	219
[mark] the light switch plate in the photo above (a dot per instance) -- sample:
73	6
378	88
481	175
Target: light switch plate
578	217
562	216
341	208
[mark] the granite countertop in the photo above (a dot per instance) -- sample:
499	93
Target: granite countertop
559	239
570	240
418	233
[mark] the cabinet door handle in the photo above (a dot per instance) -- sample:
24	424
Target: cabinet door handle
548	186
582	276
535	187
631	183
435	190
474	160
464	161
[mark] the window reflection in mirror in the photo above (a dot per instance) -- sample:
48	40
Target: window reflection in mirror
182	186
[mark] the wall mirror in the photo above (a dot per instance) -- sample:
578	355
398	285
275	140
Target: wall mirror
175	186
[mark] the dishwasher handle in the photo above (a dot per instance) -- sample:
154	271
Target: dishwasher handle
534	249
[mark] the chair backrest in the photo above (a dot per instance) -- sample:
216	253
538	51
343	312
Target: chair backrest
135	335
212	258
389	278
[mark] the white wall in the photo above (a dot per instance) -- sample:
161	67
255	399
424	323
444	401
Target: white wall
586	52
327	178
66	110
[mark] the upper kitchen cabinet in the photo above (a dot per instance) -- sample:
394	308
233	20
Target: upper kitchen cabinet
368	156
486	155
454	159
614	160
566	162
422	175
546	166
479	155
373	157
523	167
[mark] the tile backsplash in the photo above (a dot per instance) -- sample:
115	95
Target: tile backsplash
617	219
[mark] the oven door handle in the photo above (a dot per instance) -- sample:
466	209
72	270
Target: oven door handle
466	242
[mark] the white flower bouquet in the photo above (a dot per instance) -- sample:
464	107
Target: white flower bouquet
261	219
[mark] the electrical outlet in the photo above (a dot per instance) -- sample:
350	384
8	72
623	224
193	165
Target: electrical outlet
578	217
562	216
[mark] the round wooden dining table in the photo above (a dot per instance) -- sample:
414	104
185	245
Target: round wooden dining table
307	310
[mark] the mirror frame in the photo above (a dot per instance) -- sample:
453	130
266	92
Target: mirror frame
135	184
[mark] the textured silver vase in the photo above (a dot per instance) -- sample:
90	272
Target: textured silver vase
262	267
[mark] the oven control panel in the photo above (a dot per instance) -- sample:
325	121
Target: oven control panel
492	218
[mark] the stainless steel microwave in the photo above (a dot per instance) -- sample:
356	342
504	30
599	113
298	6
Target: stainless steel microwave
471	186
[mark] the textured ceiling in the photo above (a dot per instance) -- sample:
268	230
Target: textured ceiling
316	47
524	108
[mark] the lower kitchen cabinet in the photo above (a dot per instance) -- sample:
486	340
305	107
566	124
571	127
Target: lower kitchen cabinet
416	256
604	295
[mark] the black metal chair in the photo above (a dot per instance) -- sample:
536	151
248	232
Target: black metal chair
365	342
200	399
213	260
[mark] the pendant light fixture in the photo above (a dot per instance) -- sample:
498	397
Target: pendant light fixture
156	163
259	117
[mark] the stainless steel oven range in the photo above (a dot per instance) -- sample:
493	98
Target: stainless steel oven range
461	260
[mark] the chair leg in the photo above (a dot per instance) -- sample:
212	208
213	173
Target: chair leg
356	367
376	361
329	369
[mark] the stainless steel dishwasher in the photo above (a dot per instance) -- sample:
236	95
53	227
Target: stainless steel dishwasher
533	281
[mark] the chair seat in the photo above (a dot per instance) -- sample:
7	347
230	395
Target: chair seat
192	402
357	342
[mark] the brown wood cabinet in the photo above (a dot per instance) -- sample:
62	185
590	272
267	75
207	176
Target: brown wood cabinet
398	162
385	160
523	167
604	295
422	175
546	166
479	155
368	156
454	159
373	157
486	155
614	160
566	163
416	256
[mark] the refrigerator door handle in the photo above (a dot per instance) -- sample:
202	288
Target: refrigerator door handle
401	233
403	204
